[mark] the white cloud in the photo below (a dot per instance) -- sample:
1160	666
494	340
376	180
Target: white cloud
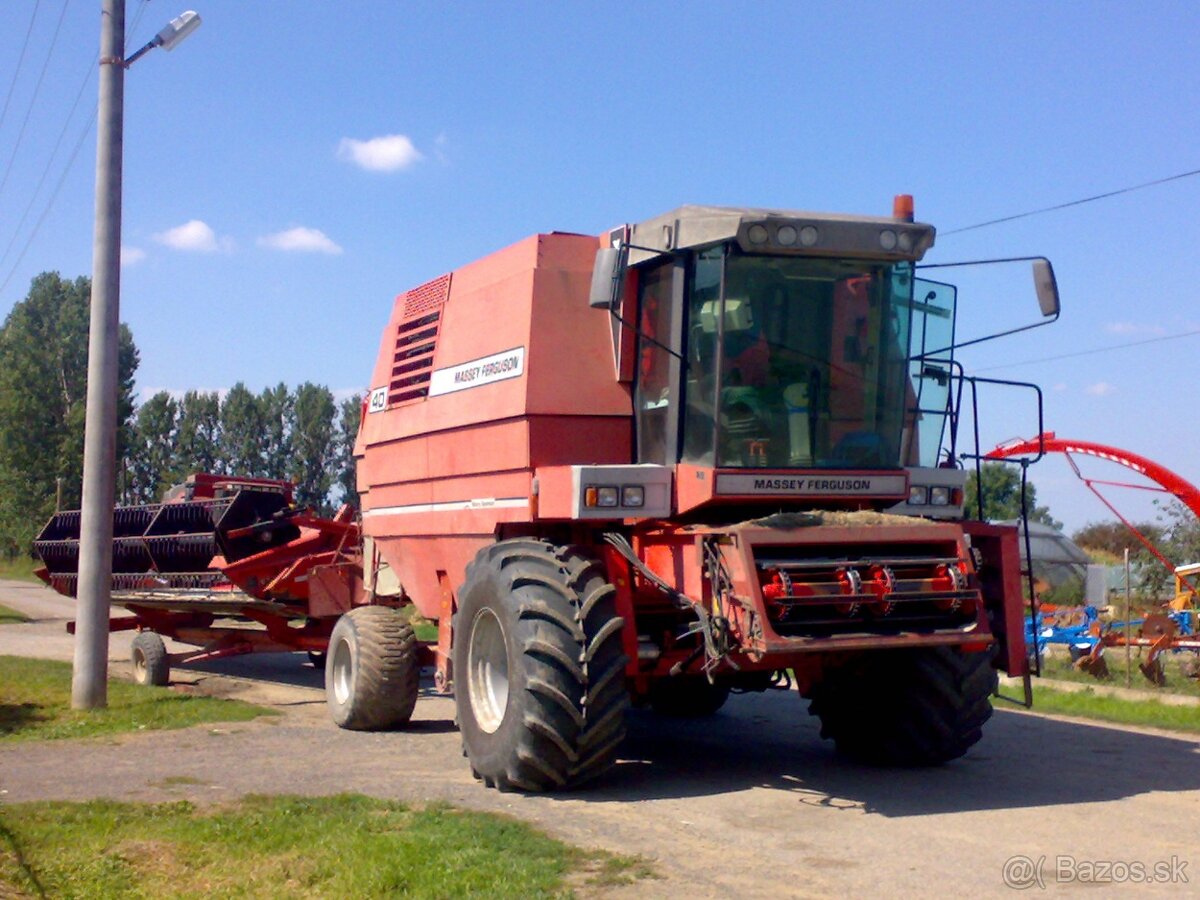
387	153
1100	389
131	256
194	236
300	240
1128	328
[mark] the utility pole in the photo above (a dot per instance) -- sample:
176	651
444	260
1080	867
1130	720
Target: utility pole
89	683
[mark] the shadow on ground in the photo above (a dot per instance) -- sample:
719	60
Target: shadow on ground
769	741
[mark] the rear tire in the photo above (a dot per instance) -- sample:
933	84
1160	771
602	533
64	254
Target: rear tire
538	667
687	697
151	664
907	708
372	674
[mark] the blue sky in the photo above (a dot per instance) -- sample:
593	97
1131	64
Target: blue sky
267	226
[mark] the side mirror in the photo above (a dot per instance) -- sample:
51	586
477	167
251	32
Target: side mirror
1046	287
605	273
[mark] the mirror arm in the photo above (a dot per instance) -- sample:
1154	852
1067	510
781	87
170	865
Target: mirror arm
991	337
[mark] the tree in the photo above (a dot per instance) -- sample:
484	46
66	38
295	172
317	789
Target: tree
1002	495
242	433
1110	539
313	445
43	396
199	432
154	463
349	419
278	411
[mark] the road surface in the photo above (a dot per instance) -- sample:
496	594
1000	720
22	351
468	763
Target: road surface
749	803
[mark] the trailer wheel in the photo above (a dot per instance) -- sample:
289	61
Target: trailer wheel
372	673
907	708
539	668
687	697
151	664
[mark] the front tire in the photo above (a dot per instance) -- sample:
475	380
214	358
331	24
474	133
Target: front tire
372	673
538	667
151	663
907	708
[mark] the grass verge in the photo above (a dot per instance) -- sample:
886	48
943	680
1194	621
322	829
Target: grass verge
1060	666
21	568
342	846
11	616
1088	704
35	704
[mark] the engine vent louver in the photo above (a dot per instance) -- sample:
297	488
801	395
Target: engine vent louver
416	339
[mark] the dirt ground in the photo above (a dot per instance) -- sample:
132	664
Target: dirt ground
750	803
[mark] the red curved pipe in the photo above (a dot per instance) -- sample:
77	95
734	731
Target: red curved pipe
1173	484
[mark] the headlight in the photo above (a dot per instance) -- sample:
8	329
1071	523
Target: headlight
809	235
758	234
633	495
600	496
939	496
918	495
887	239
786	235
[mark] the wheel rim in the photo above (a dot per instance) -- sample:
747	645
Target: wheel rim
139	665
343	671
487	671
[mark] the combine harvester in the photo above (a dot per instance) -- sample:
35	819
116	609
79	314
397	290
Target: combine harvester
1174	629
706	453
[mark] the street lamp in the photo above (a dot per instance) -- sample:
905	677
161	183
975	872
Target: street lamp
89	682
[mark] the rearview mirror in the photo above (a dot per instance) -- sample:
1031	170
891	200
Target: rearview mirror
1046	287
605	273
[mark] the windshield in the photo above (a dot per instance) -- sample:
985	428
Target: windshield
797	363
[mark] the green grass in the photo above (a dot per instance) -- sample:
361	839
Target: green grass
20	569
1088	704
35	704
342	846
1060	667
11	616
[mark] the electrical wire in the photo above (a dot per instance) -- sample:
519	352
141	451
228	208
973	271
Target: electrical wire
20	62
50	160
33	100
50	203
1093	351
144	5
1046	209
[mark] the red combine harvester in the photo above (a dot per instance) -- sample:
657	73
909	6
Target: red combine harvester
709	452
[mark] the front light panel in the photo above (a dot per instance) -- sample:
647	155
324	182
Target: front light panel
918	495
939	495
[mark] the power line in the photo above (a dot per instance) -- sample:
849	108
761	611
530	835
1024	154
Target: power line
1046	209
36	90
50	203
20	62
1042	359
142	7
50	160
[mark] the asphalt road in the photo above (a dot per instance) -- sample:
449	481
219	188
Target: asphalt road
749	803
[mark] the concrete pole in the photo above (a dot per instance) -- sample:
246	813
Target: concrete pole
89	684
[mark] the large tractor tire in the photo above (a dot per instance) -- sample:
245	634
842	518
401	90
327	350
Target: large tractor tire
907	707
151	663
539	672
372	673
687	697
